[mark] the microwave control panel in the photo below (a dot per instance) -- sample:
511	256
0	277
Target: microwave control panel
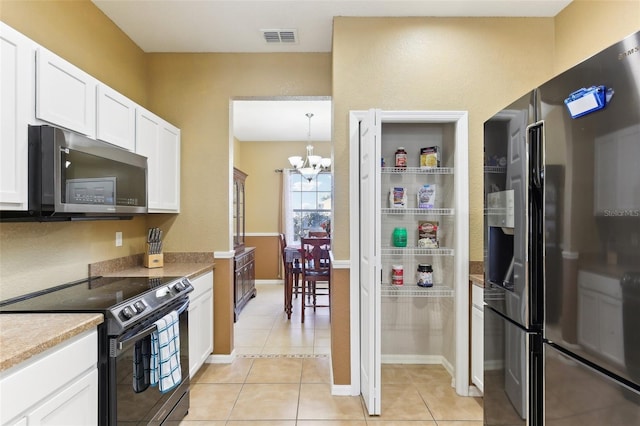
91	191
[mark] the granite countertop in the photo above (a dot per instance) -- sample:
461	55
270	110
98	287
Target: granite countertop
189	270
477	279
25	335
187	265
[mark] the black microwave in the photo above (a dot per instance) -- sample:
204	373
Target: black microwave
72	177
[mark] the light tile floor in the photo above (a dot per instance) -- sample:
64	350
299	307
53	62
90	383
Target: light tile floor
260	388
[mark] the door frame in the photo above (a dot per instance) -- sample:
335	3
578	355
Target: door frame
461	286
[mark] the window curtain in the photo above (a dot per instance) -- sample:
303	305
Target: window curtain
286	217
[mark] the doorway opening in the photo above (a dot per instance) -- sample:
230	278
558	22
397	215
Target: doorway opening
264	132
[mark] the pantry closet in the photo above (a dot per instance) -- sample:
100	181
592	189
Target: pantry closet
409	316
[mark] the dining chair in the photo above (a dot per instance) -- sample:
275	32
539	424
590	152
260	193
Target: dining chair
316	271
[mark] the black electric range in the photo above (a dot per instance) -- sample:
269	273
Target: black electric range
131	306
123	300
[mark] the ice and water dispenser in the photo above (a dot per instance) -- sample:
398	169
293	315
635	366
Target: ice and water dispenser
500	222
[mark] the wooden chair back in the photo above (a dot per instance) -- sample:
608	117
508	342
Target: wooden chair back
315	256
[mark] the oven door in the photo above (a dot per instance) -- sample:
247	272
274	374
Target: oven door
132	400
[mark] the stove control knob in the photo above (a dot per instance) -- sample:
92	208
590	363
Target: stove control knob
139	306
127	312
179	286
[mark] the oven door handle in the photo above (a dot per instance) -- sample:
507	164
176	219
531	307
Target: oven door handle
144	333
147	331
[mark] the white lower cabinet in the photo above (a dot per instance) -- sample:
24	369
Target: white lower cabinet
600	316
57	387
477	337
75	404
200	321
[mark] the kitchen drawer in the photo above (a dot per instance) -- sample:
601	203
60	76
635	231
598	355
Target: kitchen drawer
26	384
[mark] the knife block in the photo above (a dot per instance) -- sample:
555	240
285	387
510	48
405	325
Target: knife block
153	260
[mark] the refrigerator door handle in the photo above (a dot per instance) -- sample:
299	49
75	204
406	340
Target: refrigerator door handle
536	244
535	133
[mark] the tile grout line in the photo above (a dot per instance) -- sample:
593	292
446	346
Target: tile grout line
244	382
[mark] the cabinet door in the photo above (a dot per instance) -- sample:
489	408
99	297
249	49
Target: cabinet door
477	347
206	321
239	284
370	298
65	95
16	94
75	404
159	141
116	118
588	319
200	322
611	338
169	152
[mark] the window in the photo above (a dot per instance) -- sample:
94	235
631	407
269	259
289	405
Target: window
308	205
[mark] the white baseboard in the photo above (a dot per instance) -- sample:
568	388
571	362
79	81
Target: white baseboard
341	390
412	359
270	282
221	359
474	391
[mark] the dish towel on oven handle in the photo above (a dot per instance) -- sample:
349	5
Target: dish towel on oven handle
165	353
141	364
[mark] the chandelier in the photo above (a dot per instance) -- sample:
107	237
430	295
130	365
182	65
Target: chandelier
312	164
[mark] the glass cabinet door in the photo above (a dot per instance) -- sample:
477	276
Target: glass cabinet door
239	178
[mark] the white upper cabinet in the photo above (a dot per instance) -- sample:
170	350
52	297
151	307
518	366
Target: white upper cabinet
39	87
65	95
116	118
159	141
17	82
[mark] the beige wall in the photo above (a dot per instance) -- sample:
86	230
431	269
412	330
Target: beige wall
37	256
477	65
193	92
260	160
587	26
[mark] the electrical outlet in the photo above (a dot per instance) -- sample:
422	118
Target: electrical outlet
118	239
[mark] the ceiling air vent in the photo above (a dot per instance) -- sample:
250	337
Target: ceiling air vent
280	36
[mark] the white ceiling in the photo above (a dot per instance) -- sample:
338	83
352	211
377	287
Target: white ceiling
235	26
282	120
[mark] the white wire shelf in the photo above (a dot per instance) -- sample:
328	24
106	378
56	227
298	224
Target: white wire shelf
418	212
418	170
413	290
495	169
391	251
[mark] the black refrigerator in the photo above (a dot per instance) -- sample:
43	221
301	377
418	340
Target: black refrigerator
562	248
